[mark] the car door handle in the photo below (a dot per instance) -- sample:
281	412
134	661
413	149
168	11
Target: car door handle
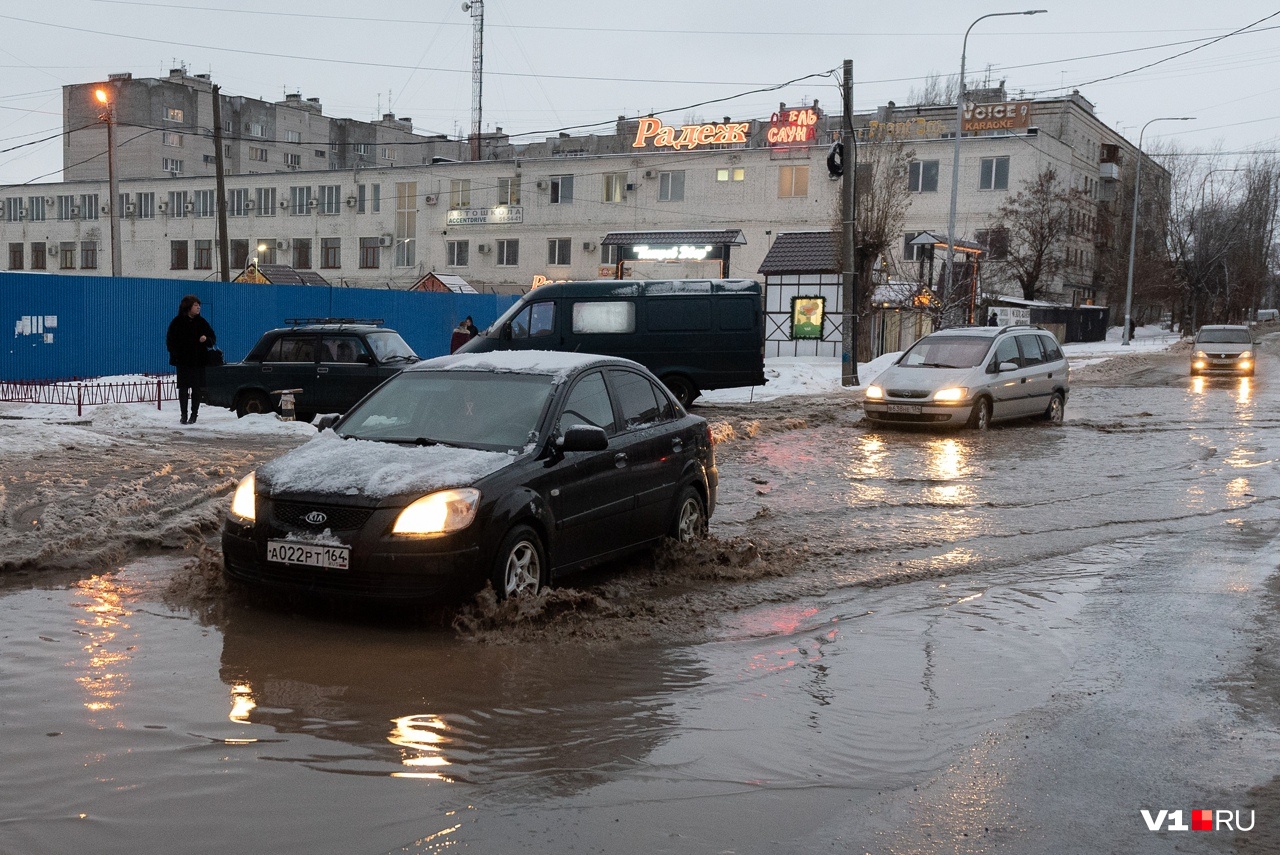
322	370
620	459
267	369
677	445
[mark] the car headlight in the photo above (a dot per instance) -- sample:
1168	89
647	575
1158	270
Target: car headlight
1200	354
957	393
438	513
243	504
1248	354
874	392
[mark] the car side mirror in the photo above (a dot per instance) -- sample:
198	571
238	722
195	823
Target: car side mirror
1008	366
365	358
583	438
327	422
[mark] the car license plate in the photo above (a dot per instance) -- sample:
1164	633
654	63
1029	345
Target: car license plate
912	409
309	554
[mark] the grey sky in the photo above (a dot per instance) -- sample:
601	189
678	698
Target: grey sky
554	64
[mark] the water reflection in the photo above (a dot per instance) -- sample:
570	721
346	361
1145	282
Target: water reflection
104	626
423	738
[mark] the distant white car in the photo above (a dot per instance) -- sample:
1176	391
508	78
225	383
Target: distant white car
1223	347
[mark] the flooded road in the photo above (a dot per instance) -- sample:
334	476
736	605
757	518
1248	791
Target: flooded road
899	643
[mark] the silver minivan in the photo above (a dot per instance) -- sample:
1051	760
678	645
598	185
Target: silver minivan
973	376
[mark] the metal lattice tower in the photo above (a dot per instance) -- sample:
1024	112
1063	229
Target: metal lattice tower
476	7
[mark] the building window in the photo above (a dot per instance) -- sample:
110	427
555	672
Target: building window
39	255
609	254
35	209
205	204
370	253
266	201
13	209
509	191
361	195
558	251
913	253
457	252
460	193
922	176
671	186
238	203
257	153
67	207
375	198
995	242
561	189
331	199
293	161
302	253
172	165
255	129
146	206
388	153
89	254
293	136
995	174
16	258
67	255
330	253
89	206
300	200
406	223
177	255
736	173
204	255
615	184
177	203
173	114
171	139
508	253
239	253
363	149
265	250
793	181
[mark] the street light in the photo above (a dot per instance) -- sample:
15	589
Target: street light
1133	233
104	98
955	160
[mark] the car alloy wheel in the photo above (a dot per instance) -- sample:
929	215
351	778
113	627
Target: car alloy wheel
981	418
1056	410
691	520
520	564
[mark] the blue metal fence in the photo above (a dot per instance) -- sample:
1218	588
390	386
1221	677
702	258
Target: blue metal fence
95	326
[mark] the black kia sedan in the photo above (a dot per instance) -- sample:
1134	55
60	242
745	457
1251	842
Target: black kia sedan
510	467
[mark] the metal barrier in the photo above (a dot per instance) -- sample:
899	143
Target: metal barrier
88	393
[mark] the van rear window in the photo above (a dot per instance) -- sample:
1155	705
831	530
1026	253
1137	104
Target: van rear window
737	313
679	315
605	316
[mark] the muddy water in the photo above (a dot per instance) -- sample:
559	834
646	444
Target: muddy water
895	645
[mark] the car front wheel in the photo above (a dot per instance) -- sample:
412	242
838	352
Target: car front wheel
980	419
690	521
521	565
253	402
1056	409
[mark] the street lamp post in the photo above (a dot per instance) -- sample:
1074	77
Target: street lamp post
1133	232
113	200
955	159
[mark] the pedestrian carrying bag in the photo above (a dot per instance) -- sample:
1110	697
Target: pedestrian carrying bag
213	356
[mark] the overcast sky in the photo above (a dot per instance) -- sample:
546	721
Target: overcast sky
565	64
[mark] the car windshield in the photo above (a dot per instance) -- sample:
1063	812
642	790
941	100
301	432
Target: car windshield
940	351
390	347
1224	337
475	409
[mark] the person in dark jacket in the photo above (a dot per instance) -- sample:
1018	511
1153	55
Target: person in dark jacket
189	339
462	334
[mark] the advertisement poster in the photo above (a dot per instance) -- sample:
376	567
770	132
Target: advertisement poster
806	317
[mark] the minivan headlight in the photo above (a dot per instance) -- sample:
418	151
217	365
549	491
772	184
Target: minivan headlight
439	513
1200	354
242	501
956	393
874	392
1246	355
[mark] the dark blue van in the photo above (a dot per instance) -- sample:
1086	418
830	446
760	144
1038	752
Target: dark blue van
694	334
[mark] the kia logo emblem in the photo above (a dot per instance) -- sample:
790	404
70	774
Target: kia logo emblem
316	518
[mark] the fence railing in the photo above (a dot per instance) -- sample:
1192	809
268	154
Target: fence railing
89	393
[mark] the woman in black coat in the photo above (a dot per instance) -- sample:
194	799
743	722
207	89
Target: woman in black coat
189	339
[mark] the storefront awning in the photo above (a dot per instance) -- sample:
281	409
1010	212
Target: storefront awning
718	237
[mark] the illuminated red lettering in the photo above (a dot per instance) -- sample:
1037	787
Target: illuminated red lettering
648	127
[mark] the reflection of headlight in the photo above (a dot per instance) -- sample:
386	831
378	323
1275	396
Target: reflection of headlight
957	394
242	503
437	513
1245	355
875	392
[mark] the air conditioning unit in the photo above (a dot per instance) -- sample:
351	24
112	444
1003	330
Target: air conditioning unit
284	204
75	211
351	201
282	244
189	207
651	173
22	214
249	205
431	198
588	246
311	203
106	209
162	207
130	210
48	200
631	186
484	247
386	240
541	184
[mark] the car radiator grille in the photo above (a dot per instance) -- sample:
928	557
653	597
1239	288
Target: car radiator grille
910	394
338	518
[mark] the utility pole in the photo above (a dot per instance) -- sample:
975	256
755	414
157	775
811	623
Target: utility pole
220	185
849	216
106	96
476	8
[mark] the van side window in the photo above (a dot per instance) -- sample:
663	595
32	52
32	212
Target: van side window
604	316
538	319
636	399
737	313
1031	353
679	315
1007	351
588	404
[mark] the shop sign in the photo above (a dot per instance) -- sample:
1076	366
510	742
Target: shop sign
671	253
652	132
1005	116
501	215
539	280
917	126
807	316
793	127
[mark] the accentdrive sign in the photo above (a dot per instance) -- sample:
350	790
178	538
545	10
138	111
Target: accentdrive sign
652	132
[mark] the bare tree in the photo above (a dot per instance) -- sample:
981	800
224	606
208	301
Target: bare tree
1037	223
935	90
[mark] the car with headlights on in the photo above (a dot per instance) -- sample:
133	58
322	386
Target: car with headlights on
1223	348
511	468
973	376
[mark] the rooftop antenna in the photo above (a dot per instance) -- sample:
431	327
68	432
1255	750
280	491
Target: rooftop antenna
476	8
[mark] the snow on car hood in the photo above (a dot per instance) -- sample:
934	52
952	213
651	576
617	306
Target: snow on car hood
358	467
